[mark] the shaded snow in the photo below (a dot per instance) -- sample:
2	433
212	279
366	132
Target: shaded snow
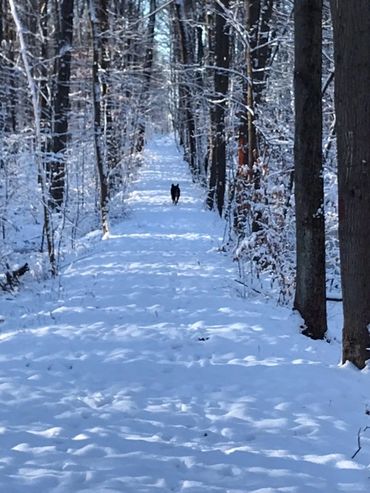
142	370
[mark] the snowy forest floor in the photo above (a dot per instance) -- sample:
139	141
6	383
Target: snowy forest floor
141	369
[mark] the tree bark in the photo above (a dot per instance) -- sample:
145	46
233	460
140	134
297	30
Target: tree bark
9	78
185	93
45	109
221	80
351	21
62	70
147	72
110	128
310	295
98	126
47	227
261	47
257	16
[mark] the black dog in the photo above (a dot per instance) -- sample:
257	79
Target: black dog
175	193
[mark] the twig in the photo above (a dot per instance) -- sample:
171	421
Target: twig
327	83
246	285
359	441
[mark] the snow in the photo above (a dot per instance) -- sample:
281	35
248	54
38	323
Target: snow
143	369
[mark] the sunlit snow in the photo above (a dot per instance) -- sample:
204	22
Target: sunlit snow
143	369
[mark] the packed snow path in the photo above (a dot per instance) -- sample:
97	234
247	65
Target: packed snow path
142	370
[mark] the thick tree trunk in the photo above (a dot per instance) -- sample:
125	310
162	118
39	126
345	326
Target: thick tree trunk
310	296
62	70
351	22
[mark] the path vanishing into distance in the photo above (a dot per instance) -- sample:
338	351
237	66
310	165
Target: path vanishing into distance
142	369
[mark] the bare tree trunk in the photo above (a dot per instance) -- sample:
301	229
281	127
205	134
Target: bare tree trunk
98	127
310	296
60	103
257	13
45	110
258	16
8	97
217	160
211	172
184	90
48	229
261	46
351	22
148	67
253	9
110	134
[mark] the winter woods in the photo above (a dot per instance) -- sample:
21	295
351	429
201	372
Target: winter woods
268	114
75	82
248	88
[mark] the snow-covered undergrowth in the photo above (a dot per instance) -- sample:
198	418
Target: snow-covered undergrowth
142	370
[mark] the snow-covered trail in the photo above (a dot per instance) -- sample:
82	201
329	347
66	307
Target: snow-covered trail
144	372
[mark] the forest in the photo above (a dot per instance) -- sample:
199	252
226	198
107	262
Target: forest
248	88
267	104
